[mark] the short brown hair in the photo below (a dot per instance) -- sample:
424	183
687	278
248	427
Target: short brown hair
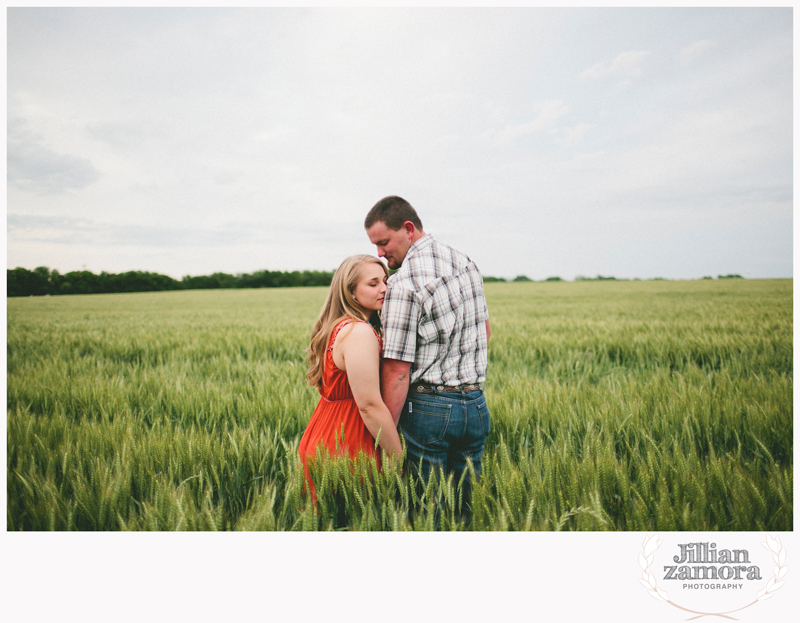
394	211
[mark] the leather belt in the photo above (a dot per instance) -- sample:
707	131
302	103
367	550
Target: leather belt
428	388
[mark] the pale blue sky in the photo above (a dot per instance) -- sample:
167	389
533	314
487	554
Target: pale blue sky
626	142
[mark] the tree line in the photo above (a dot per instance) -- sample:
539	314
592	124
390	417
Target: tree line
42	281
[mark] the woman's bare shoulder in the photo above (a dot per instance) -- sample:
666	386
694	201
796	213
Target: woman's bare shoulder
364	331
360	333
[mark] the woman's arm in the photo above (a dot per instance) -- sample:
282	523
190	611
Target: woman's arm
358	354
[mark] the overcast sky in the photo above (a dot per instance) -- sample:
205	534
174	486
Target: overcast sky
546	142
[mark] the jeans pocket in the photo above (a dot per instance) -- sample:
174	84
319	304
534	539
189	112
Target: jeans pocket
483	412
426	421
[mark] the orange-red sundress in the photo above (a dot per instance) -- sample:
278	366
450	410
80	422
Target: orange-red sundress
336	407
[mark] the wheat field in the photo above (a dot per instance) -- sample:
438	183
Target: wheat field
616	405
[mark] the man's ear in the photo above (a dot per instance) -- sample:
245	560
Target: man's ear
410	228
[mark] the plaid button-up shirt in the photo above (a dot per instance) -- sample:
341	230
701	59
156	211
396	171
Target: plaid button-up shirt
434	315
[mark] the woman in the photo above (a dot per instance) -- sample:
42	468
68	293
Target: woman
344	364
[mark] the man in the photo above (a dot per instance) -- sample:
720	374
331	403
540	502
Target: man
435	336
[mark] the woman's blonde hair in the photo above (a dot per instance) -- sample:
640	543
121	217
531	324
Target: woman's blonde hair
339	305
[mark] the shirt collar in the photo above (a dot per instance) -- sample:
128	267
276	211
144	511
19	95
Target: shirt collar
420	244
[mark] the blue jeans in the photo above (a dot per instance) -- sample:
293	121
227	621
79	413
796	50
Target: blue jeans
445	429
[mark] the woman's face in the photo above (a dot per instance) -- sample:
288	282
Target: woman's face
371	287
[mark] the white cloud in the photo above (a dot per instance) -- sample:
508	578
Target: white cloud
574	135
211	124
546	114
626	64
33	166
691	52
711	155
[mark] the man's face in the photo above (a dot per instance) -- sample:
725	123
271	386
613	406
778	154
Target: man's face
393	244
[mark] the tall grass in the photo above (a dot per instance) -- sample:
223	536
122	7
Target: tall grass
615	406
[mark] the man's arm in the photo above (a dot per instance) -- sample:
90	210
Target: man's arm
395	375
488	330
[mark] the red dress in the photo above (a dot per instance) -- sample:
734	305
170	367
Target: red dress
336	407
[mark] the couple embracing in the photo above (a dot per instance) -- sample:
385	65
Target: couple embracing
405	354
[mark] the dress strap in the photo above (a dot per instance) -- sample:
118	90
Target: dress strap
336	330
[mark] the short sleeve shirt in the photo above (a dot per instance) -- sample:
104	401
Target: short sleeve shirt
434	315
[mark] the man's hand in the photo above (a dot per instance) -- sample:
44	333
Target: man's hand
394	385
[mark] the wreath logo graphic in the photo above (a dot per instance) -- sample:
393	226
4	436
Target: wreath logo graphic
648	580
